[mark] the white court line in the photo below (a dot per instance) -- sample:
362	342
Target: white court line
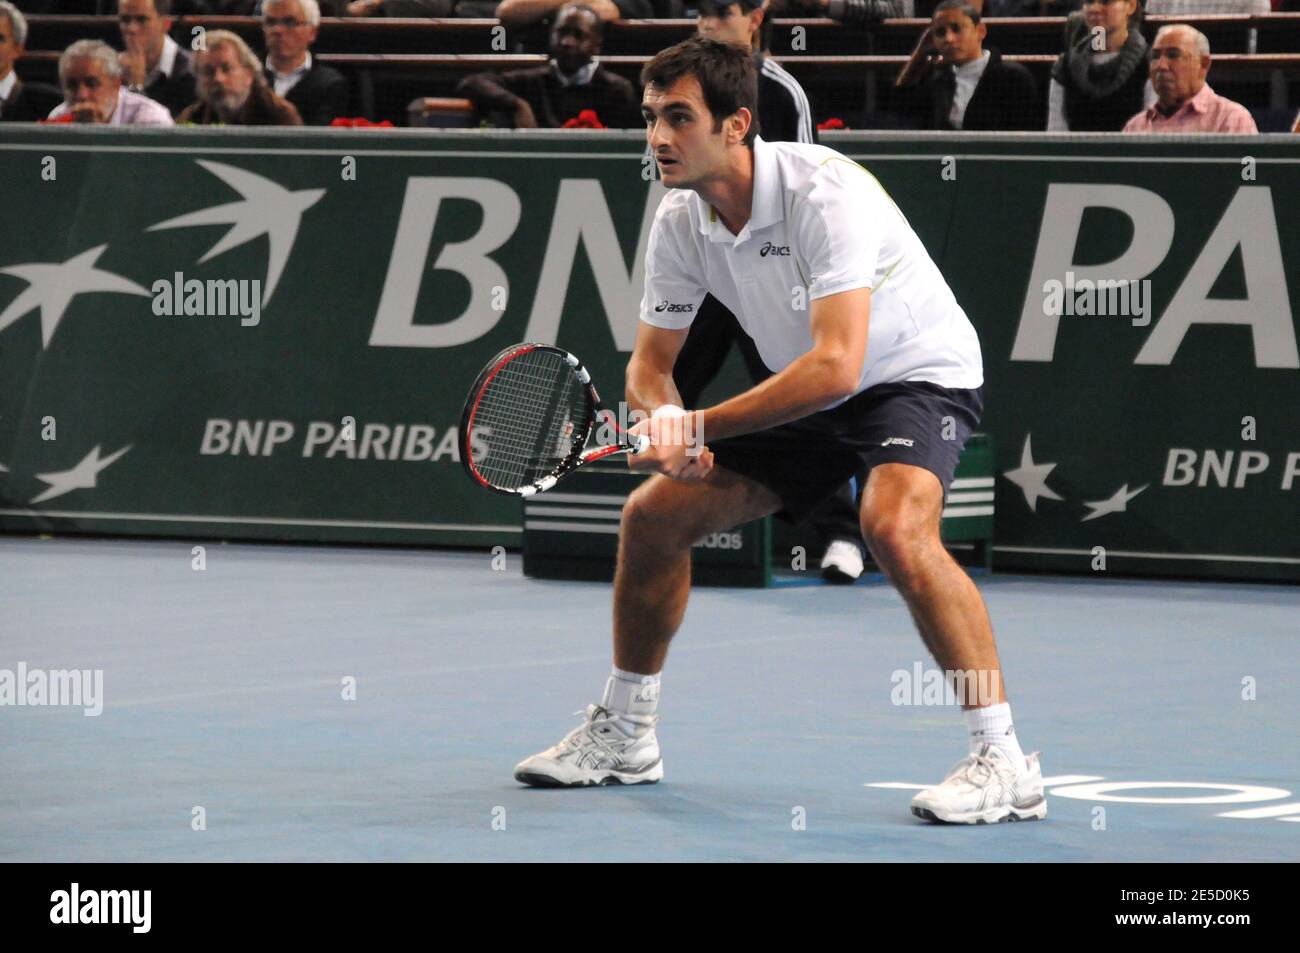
1047	782
1273	810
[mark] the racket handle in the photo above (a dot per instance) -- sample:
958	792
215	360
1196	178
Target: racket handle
640	443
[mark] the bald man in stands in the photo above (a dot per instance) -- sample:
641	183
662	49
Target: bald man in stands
1180	61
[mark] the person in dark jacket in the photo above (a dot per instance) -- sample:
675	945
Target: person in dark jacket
784	114
1101	79
516	14
19	101
232	89
153	63
966	86
547	96
319	93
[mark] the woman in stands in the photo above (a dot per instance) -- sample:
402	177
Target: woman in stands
1101	78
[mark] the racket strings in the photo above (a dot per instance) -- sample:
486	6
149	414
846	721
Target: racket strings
529	419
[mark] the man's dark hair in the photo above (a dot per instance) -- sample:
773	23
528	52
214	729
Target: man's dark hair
725	73
961	6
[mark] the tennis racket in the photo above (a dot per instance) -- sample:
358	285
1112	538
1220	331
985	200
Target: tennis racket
528	418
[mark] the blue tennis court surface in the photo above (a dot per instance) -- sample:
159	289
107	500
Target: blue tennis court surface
223	691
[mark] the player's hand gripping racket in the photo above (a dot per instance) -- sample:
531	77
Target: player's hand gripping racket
528	418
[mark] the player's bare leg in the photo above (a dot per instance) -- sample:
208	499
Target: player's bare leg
901	510
661	521
616	744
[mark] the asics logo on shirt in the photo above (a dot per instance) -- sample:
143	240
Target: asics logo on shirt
770	249
674	308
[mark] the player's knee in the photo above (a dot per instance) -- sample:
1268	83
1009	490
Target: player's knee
648	522
896	536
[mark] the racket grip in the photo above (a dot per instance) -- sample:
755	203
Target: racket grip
639	443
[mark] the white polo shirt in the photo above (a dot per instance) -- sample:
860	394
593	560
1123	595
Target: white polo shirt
820	224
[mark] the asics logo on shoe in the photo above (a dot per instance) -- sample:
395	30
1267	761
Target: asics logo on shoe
898	442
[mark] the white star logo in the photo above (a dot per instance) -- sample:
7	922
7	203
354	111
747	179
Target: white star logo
51	288
267	209
80	477
1032	477
1118	503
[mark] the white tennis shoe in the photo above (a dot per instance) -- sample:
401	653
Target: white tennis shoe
842	562
597	752
986	788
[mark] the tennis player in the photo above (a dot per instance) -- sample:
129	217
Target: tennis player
877	367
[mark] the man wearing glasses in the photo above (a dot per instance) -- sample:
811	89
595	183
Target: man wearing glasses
153	63
319	92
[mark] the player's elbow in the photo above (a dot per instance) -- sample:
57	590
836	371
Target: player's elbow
839	374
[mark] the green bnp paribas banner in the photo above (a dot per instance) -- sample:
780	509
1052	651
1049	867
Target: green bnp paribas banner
265	334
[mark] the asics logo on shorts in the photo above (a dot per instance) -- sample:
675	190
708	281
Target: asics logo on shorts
674	308
898	442
770	249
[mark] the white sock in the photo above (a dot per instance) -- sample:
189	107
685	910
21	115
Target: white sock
632	699
992	726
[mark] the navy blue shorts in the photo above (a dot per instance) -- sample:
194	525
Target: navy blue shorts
808	460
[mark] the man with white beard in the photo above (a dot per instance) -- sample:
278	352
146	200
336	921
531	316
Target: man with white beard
232	89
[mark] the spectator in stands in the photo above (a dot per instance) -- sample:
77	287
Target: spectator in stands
319	93
969	87
483	9
1180	61
521	13
19	101
1101	78
181	8
573	80
852	12
232	89
1200	8
153	63
90	73
784	114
